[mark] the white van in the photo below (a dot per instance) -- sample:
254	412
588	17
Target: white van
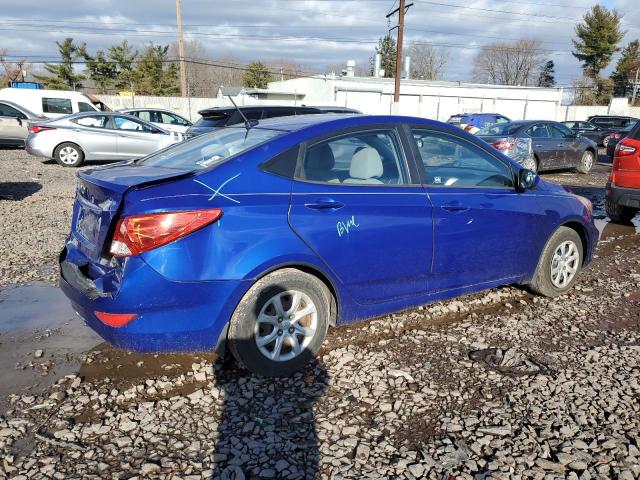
50	103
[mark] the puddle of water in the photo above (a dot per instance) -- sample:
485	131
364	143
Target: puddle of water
609	229
38	317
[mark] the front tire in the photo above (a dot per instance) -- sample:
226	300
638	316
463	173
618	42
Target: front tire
559	264
280	323
619	213
68	155
586	162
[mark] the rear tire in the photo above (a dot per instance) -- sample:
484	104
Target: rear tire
619	213
68	155
559	264
586	162
266	336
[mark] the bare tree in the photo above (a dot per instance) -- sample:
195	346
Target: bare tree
205	74
514	63
427	62
12	70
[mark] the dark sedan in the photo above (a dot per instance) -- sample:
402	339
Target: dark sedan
615	137
553	145
589	130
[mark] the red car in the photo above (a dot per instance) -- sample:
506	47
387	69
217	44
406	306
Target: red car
623	188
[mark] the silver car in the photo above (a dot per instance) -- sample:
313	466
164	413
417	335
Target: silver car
14	121
75	138
166	119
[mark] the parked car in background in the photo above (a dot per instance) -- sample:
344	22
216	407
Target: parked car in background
14	121
611	124
165	119
96	136
554	145
472	122
220	117
263	237
622	194
50	103
615	137
589	130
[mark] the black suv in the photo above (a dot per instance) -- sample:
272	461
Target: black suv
611	124
220	117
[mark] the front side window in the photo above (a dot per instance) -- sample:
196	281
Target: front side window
8	111
560	131
371	157
57	105
95	121
451	161
212	149
124	123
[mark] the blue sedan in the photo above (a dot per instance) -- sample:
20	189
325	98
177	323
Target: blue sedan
260	237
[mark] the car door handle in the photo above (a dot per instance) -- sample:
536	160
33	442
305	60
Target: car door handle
454	207
539	145
324	205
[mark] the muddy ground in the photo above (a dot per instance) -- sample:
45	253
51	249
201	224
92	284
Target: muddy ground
501	384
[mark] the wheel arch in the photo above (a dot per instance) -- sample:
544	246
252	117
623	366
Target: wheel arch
317	272
582	233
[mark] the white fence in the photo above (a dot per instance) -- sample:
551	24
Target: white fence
434	107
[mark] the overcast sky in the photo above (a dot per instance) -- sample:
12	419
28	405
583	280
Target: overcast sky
313	33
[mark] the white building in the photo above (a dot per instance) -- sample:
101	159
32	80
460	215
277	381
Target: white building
429	99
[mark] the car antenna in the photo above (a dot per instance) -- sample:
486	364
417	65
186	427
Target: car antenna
247	123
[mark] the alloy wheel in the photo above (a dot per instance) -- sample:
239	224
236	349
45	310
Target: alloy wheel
587	160
68	155
286	325
564	264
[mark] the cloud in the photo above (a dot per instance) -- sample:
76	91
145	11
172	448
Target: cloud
313	33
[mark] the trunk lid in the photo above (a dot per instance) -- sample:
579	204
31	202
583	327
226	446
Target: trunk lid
99	195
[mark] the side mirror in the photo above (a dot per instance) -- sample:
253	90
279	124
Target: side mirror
526	179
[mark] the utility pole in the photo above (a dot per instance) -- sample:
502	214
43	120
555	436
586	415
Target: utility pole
183	71
635	87
401	10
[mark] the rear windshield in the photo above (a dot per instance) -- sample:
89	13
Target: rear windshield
211	121
635	131
498	129
210	149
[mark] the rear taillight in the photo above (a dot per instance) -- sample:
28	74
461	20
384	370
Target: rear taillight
39	128
623	150
140	233
503	145
615	136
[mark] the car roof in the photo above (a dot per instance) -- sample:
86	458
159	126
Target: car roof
337	120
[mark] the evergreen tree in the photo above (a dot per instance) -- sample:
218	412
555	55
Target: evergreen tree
387	49
547	75
598	38
154	74
62	75
123	56
101	71
256	75
626	68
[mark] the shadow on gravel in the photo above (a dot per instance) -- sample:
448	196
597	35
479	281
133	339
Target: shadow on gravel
18	190
267	425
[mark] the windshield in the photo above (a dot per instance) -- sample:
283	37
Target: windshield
209	149
499	129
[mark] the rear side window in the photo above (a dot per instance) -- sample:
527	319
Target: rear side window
498	129
95	121
283	164
538	131
371	157
451	161
56	105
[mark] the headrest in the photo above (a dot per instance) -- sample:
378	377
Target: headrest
319	159
366	163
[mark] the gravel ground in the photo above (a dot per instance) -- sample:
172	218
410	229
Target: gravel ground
500	384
